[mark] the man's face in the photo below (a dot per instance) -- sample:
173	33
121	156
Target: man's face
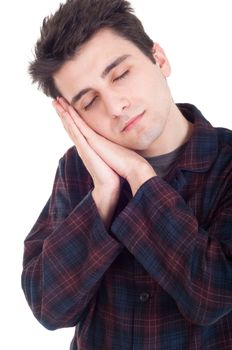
118	91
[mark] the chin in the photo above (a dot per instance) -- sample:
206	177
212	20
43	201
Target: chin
149	138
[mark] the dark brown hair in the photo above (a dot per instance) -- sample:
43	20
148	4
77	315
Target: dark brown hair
63	33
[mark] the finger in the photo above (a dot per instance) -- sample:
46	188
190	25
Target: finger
88	155
66	120
59	109
79	122
63	103
78	131
73	121
87	131
75	116
71	128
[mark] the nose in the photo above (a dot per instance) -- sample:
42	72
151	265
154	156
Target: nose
116	105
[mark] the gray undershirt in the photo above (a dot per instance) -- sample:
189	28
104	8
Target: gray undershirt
162	164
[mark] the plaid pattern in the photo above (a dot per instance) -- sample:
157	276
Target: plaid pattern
161	277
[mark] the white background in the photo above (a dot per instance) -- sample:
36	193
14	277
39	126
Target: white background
196	36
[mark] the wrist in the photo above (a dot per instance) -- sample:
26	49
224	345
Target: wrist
106	193
105	201
140	176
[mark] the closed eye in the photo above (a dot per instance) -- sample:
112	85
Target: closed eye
122	75
90	104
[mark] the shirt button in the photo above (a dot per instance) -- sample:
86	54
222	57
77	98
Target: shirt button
144	297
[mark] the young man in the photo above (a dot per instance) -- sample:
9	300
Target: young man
134	246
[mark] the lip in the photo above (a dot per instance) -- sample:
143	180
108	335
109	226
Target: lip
132	122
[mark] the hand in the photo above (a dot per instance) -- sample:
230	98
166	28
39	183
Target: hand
106	181
101	173
126	163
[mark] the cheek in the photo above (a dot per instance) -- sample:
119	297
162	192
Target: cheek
90	122
98	124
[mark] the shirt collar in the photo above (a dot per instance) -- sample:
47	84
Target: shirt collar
202	147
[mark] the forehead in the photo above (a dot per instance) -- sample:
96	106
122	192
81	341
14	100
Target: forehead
92	58
105	43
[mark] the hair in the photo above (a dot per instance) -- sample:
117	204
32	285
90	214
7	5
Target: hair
75	22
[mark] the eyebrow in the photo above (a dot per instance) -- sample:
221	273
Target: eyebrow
106	71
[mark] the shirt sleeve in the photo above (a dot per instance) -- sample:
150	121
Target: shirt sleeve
192	264
66	254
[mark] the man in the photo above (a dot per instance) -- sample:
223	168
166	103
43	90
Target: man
134	245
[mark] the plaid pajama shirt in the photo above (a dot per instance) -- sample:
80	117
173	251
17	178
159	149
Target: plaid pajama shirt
160	278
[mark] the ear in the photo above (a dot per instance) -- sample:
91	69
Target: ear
161	59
